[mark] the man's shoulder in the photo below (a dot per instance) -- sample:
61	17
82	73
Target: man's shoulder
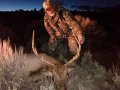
65	12
46	16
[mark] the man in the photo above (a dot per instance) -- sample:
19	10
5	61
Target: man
61	24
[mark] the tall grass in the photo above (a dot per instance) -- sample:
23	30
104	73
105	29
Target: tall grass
12	68
88	76
116	72
116	77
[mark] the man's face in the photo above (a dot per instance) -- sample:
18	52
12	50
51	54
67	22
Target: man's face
49	11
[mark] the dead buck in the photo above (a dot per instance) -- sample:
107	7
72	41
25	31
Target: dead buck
54	67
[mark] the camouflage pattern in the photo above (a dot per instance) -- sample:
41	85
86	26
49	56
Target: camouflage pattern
62	25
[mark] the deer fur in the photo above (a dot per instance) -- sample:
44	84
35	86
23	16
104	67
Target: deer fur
53	67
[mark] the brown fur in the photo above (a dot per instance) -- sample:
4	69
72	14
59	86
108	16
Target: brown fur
58	69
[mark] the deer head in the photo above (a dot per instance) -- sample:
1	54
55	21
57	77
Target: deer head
58	70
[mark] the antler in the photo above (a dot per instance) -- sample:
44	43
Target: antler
33	45
36	52
77	54
48	62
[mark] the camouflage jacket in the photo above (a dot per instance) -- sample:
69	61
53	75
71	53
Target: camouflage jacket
63	22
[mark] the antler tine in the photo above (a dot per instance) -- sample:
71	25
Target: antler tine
33	45
46	62
36	52
77	54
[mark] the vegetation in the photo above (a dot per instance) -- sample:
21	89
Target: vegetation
89	75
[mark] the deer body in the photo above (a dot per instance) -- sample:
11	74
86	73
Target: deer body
58	70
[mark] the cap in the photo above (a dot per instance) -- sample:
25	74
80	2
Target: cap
51	2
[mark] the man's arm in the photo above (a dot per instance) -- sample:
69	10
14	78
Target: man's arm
49	30
73	24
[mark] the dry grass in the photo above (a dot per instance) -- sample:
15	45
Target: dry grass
12	68
116	74
88	76
116	71
85	23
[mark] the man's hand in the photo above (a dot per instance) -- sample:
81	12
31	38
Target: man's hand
58	34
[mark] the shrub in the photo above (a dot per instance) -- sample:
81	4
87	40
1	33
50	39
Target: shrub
116	71
12	68
88	76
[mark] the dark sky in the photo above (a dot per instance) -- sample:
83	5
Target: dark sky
11	5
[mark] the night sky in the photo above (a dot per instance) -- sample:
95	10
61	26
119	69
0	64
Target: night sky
11	5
